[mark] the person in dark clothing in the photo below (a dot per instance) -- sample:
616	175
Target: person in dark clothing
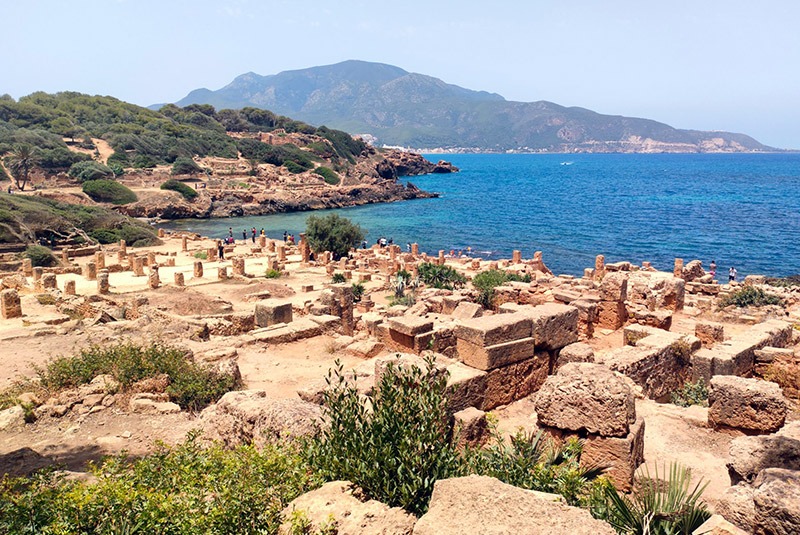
254	234
285	236
220	250
244	235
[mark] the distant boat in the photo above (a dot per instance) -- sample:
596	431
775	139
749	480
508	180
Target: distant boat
566	163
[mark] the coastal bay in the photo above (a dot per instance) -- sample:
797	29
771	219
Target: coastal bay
740	210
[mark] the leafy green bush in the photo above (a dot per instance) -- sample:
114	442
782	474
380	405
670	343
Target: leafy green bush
691	394
108	191
398	449
408	300
185	166
176	185
273	274
333	233
750	296
358	291
201	255
191	385
440	276
185	489
338	278
486	281
656	506
134	235
293	167
40	256
328	175
90	170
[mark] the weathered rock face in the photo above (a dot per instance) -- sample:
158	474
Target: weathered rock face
353	516
586	396
748	404
250	416
777	502
412	164
751	455
577	352
479	504
737	507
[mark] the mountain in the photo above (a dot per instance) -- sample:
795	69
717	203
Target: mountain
408	109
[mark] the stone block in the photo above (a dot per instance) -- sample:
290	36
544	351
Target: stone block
10	304
777	502
496	329
466	386
466	310
554	325
717	525
749	404
515	381
267	314
709	333
737	507
614	287
577	352
621	454
495	356
749	455
611	315
411	325
586	397
660	319
471	428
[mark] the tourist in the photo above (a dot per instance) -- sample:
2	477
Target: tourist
230	232
713	269
382	242
244	235
285	236
732	274
10	191
364	244
254	234
220	250
262	232
408	247
391	241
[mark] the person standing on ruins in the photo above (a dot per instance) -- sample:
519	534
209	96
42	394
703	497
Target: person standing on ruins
254	234
713	268
220	250
244	235
732	274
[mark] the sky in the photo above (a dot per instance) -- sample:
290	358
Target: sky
701	64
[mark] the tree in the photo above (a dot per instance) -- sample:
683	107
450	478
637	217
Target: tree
20	162
333	233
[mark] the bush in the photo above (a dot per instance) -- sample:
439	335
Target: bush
176	185
90	170
437	276
656	506
691	394
328	175
333	233
180	490
134	235
358	291
293	167
185	166
338	278
40	256
108	191
273	274
486	281
396	450
201	255
750	296
191	386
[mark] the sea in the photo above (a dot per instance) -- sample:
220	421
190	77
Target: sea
740	210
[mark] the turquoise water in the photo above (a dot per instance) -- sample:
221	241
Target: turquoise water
738	209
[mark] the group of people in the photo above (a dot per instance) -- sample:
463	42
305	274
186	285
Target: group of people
732	273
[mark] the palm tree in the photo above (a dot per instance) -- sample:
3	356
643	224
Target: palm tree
21	160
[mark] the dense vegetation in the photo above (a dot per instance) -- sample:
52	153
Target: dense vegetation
328	175
144	138
333	233
90	170
109	191
26	219
750	296
438	276
40	256
486	281
176	185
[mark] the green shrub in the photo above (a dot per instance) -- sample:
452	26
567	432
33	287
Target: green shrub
185	166
338	278
655	506
396	450
90	170
201	255
293	167
358	291
108	191
438	276
408	300
333	233
191	385
184	489
176	185
486	281
273	274
691	394
40	256
750	296
328	175
134	235
785	282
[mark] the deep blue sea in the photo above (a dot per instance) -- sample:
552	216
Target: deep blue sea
741	210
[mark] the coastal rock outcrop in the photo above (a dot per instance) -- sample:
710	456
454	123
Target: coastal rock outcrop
413	164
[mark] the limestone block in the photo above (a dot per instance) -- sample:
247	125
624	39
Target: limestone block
466	386
466	310
103	285
89	271
10	304
69	287
497	329
198	270
36	273
481	504
660	319
179	279
471	428
586	396
49	281
693	271
515	381
777	502
709	333
272	313
743	403
621	454
411	325
717	525
554	325
614	287
611	315
577	352
495	356
27	267
749	455
737	507
153	280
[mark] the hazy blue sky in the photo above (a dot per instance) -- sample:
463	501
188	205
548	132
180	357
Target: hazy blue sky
705	64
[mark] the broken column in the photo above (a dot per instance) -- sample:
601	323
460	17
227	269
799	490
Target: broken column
103	287
305	250
138	266
36	273
69	287
27	267
100	259
415	249
516	257
281	248
184	244
198	269
151	259
153	280
343	304
599	267
65	256
222	273
179	279
611	310
90	271
588	401
270	244
123	248
238	266
677	271
10	304
262	242
441	258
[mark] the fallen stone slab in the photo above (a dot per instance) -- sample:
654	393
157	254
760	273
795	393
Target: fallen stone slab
749	404
496	329
495	356
750	455
280	334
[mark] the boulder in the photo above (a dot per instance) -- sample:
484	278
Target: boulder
251	416
777	502
272	313
717	525
749	404
750	455
737	507
577	352
337	503
466	310
586	396
614	287
480	504
497	329
693	271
